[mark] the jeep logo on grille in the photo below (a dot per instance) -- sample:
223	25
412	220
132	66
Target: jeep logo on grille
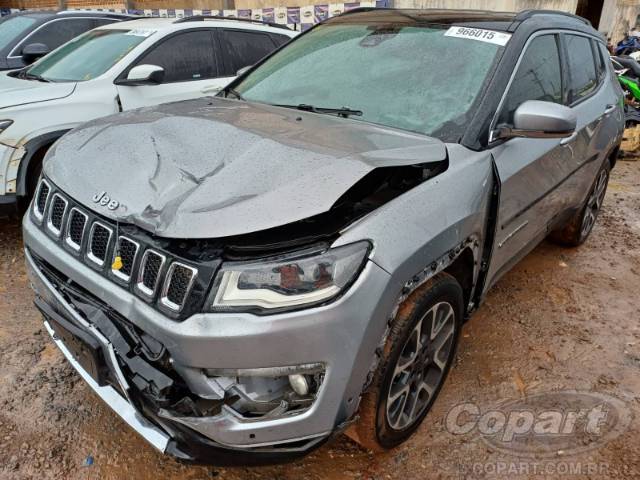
103	199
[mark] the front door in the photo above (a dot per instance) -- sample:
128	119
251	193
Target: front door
530	169
191	68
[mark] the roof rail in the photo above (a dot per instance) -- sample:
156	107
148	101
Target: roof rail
524	14
201	18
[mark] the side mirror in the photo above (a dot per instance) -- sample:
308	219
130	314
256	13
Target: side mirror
143	75
243	70
33	51
537	119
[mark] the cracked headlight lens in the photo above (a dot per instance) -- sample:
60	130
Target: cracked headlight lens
288	282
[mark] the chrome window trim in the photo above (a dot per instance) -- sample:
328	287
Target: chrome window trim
118	273
140	286
40	216
164	301
50	225
90	254
67	238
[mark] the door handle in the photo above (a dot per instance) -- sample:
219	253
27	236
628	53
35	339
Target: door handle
609	109
211	89
569	139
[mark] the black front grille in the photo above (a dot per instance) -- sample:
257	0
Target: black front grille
127	251
151	270
58	208
77	224
43	196
180	280
100	242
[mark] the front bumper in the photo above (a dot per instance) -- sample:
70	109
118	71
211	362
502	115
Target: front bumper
342	336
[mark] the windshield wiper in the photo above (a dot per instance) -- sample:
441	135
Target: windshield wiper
31	76
231	91
344	112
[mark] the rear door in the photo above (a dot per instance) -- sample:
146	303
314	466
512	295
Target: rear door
530	170
191	65
243	48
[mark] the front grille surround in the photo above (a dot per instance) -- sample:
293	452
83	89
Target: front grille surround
128	259
172	276
71	237
41	199
56	218
93	255
144	273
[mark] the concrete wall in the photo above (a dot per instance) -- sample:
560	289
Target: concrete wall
619	17
498	5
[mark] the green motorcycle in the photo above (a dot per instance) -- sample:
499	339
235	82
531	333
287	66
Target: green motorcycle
628	72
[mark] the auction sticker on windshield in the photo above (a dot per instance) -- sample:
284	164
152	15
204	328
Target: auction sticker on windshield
489	36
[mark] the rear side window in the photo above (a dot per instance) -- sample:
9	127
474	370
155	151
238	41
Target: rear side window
582	68
279	39
538	77
103	21
244	48
185	57
57	32
601	66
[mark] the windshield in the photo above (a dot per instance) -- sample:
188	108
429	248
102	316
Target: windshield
87	56
12	27
412	77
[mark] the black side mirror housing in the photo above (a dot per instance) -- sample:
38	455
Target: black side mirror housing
34	51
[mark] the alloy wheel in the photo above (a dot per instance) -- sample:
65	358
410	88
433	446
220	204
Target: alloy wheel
421	366
594	203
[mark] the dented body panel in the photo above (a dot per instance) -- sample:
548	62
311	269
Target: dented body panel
274	167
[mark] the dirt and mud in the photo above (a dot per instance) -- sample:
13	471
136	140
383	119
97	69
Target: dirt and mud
563	319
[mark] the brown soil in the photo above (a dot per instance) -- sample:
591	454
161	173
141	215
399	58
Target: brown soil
562	319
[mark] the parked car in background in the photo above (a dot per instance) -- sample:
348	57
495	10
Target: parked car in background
113	68
27	36
242	277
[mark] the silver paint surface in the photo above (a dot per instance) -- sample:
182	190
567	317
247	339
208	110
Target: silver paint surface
214	167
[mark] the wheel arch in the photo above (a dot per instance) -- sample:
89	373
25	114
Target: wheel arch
35	149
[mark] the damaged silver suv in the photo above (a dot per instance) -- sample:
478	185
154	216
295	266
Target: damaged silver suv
242	276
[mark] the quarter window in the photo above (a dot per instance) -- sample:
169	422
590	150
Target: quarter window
582	68
57	32
185	57
538	77
244	48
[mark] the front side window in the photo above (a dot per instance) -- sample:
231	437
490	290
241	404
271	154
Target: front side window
582	69
399	74
538	77
13	27
57	32
184	57
244	48
87	56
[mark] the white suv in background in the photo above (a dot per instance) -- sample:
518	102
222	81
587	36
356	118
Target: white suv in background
114	68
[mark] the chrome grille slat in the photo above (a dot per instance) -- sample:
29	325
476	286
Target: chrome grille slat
127	250
57	211
98	244
177	286
76	227
41	199
149	272
159	278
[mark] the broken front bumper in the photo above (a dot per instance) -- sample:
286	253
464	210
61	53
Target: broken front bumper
341	336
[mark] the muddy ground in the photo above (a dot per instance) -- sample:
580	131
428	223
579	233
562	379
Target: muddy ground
562	319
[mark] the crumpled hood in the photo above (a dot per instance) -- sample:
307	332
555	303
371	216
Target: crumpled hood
214	167
16	91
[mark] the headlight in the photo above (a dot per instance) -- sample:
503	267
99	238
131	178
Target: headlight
4	124
288	282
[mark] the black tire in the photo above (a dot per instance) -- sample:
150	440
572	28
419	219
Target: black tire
380	426
578	229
